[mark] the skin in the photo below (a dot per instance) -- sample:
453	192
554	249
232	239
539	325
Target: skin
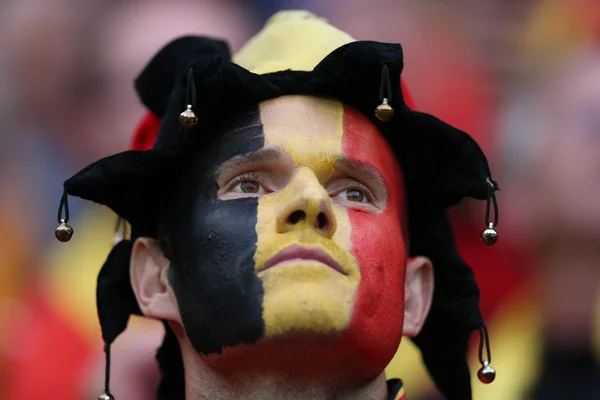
295	172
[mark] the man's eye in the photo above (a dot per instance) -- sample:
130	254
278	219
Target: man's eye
248	186
355	195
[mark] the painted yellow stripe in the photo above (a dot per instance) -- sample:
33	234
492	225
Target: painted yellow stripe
306	296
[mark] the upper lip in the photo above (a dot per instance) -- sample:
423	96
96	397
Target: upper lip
303	253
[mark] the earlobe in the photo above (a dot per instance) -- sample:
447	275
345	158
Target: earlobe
418	294
150	283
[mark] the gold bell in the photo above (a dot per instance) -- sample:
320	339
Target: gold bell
106	396
188	118
384	111
486	374
489	236
63	232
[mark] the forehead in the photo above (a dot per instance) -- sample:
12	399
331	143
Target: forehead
309	130
324	135
316	132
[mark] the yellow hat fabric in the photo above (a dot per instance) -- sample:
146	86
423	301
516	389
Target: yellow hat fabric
296	40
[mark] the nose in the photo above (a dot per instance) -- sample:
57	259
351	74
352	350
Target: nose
312	209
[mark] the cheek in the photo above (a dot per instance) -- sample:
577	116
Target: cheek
378	315
214	241
218	293
378	246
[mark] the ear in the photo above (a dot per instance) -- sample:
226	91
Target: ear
418	294
149	272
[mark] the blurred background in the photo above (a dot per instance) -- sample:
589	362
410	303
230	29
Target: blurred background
522	76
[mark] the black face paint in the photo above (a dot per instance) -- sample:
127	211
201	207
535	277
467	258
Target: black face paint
212	244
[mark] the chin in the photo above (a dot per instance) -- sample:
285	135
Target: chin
307	298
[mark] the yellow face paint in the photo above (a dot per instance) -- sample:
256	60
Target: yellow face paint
305	295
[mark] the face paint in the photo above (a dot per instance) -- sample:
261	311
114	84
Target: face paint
365	304
297	256
379	246
305	295
212	243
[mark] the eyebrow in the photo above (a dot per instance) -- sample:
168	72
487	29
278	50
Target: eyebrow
346	164
261	155
359	168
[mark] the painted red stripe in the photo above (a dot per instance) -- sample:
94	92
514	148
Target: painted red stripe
378	245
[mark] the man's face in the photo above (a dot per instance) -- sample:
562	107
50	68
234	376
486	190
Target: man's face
291	223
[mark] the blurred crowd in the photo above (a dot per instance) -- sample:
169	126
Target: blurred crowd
522	76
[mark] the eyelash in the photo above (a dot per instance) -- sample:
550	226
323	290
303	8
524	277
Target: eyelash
249	176
362	187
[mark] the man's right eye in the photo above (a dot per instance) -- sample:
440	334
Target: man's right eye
251	184
248	186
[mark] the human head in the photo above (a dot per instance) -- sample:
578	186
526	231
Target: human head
437	166
322	182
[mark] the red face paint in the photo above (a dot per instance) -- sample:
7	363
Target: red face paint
379	247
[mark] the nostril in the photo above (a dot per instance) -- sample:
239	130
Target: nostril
296	217
322	221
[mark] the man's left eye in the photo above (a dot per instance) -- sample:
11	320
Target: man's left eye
355	195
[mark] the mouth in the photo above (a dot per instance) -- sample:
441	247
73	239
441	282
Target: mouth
294	254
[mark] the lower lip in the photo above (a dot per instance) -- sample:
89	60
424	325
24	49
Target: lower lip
300	260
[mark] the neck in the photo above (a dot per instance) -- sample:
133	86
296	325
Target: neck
241	374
